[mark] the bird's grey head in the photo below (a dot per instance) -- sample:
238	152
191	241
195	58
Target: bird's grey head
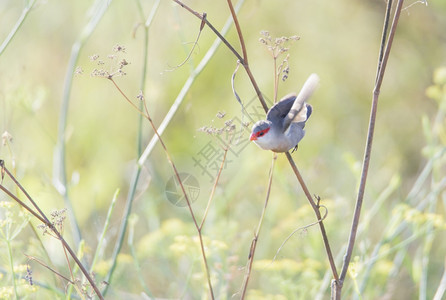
261	125
259	129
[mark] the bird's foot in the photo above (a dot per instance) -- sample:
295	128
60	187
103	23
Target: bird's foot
294	149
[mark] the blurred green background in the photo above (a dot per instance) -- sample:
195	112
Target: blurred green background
398	253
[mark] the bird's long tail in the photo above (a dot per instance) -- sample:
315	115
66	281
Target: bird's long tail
308	89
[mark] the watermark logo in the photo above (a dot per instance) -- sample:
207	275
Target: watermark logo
175	194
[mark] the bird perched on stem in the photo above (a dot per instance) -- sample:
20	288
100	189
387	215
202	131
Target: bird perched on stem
285	121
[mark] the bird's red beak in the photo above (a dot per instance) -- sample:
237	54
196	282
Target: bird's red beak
253	137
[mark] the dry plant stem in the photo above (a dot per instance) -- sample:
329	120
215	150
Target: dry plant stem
239	32
68	262
200	236
239	57
11	195
276	79
147	116
252	250
211	196
208	275
299	229
368	149
318	216
193	47
384	36
42	217
72	281
49	268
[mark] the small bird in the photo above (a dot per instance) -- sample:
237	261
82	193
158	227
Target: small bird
285	121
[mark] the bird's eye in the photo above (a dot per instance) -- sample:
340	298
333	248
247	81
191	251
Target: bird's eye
262	132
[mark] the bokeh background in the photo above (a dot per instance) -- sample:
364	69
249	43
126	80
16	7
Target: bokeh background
399	252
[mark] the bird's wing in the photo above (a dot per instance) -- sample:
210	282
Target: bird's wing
298	110
280	110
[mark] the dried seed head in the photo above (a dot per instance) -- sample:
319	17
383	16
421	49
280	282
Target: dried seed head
140	96
29	275
286	72
79	71
93	57
228	122
276	46
6	138
221	115
99	73
119	48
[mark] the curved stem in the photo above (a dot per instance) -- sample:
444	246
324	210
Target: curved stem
239	57
203	18
244	62
318	215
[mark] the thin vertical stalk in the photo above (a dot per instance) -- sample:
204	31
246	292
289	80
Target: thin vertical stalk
276	79
239	32
368	149
255	240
